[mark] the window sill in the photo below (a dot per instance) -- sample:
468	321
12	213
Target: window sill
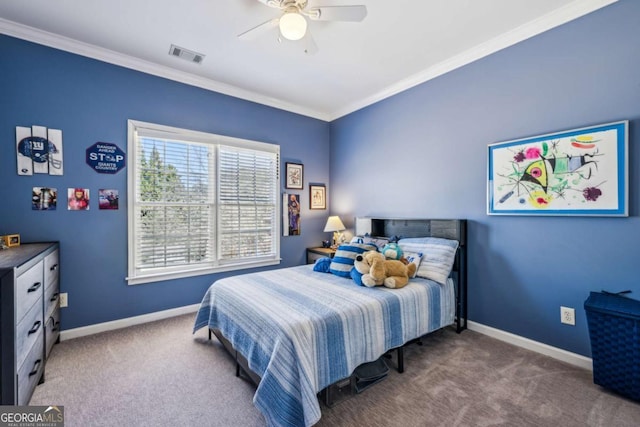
158	277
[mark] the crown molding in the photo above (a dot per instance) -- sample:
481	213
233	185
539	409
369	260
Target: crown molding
554	19
56	41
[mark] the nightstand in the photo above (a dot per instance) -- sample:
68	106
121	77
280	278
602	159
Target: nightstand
315	253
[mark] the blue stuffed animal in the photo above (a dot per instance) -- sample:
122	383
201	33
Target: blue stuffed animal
322	265
392	251
356	276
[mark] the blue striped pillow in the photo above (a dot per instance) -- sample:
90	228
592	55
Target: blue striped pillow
343	259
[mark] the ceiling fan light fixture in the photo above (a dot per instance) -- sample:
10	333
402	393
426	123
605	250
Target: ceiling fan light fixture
293	26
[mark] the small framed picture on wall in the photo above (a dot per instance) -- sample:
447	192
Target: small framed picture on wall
317	196
293	175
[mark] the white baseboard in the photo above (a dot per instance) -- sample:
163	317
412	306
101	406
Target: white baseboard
129	321
556	353
547	350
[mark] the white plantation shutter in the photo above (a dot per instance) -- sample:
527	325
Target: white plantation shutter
175	203
247	203
199	203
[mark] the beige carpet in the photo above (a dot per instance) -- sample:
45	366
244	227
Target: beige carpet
159	374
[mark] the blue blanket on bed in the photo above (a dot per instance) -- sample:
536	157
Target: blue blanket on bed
302	330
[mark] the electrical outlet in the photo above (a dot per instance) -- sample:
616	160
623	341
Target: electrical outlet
568	315
63	300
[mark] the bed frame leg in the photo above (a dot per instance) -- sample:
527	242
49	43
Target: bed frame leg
399	358
327	396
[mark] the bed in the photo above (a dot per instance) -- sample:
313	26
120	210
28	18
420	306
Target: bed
297	330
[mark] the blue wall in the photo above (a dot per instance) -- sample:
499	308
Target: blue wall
423	153
90	101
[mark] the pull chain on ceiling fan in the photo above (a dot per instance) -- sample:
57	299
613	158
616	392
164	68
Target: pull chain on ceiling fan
293	24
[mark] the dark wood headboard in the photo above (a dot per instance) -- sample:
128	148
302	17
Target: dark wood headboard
454	229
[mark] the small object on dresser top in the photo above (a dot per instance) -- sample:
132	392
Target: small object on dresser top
10	240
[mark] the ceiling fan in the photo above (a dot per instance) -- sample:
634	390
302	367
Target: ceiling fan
292	22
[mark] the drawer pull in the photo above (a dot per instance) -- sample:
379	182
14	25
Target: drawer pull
55	324
54	267
35	327
36	366
54	297
34	287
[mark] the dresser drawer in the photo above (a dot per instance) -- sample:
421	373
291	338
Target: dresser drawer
29	288
51	268
51	298
29	274
52	331
28	330
31	370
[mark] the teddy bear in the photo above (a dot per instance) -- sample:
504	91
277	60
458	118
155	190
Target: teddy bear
376	270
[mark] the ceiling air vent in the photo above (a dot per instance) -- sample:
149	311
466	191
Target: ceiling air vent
186	54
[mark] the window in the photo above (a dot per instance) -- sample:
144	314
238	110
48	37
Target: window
199	203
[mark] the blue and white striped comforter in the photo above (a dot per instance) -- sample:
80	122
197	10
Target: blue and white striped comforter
302	330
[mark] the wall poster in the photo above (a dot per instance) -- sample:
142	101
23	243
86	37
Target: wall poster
78	199
44	198
108	199
291	214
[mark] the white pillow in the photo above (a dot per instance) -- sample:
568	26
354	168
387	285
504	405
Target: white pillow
438	256
413	258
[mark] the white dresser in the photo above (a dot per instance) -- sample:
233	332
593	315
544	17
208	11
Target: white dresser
29	317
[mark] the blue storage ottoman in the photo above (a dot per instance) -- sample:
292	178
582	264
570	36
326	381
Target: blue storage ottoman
614	330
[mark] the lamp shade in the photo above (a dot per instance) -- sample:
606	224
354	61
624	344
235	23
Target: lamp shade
334	224
293	26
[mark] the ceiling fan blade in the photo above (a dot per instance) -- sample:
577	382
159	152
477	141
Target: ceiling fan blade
338	13
272	3
259	29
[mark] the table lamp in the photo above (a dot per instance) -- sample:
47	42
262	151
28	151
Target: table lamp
334	224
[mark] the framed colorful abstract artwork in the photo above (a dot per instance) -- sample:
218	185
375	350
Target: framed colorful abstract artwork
575	172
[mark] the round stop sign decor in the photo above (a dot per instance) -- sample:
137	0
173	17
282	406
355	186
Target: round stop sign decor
104	157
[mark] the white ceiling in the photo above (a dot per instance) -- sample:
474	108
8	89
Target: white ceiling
399	44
